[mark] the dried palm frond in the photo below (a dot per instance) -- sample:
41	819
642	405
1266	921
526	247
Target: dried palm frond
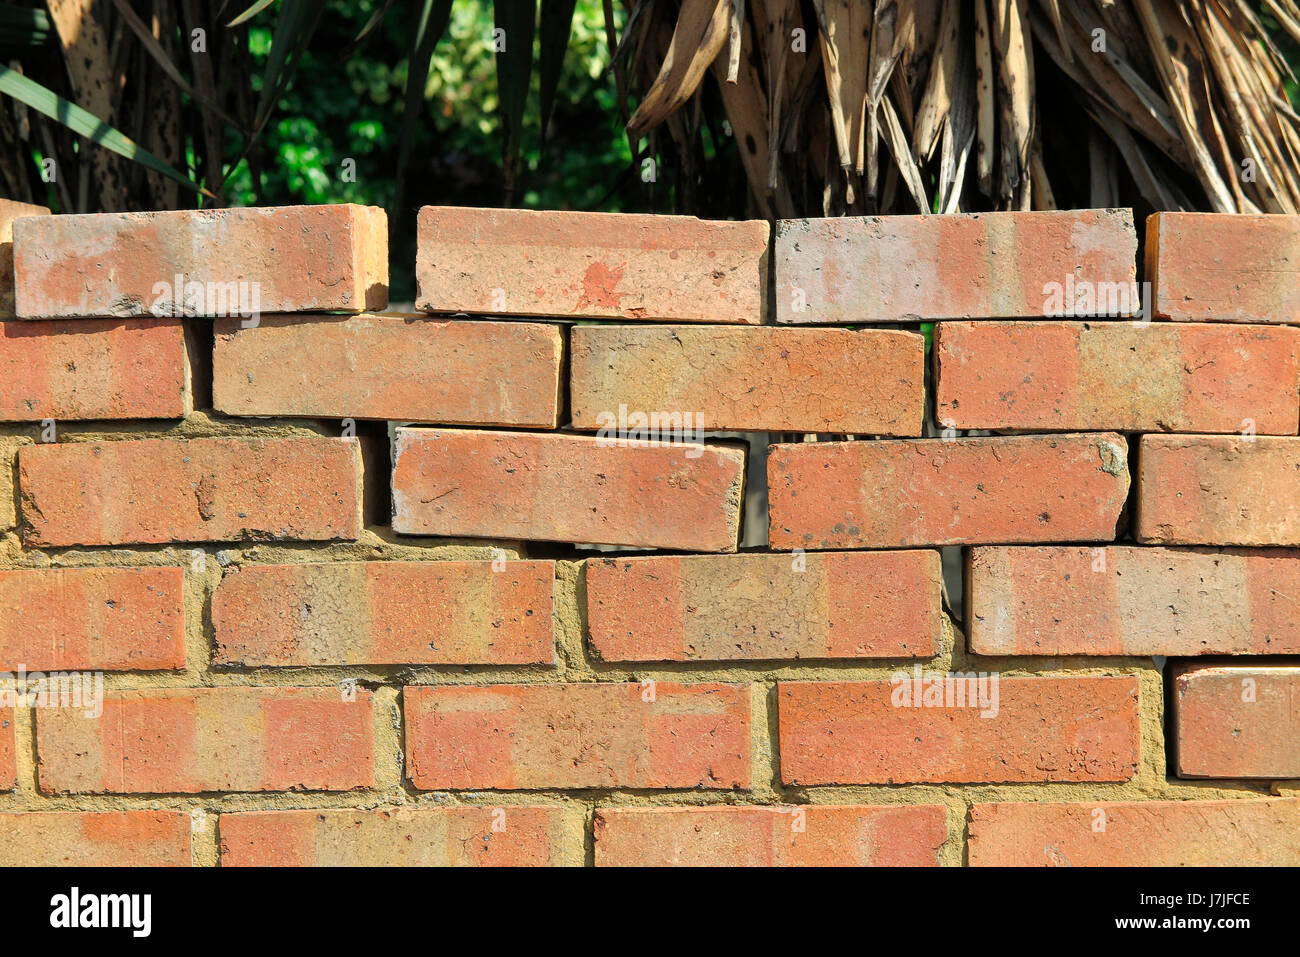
1168	103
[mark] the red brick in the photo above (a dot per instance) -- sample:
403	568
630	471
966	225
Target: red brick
521	262
1237	721
1233	833
1132	600
749	379
95	369
1218	490
986	265
9	211
509	737
404	837
751	606
904	493
190	740
390	367
567	488
302	258
786	836
1225	268
1121	376
92	619
196	490
459	613
8	765
95	839
1040	729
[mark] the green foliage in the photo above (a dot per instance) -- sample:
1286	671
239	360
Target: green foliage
79	121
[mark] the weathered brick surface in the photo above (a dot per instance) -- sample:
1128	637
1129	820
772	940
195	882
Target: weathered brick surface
386	613
789	836
1038	729
720	607
8	767
1225	268
903	493
302	258
404	837
192	740
94	369
1218	490
95	839
9	447
477	681
9	211
761	380
1235	833
590	265
1120	376
509	737
567	488
92	619
1237	721
390	367
197	490
1131	600
985	265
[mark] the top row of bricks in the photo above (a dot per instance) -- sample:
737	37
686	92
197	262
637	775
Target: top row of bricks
572	265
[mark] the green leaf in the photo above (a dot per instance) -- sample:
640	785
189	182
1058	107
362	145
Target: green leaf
22	29
86	124
294	27
375	19
430	24
251	12
517	21
557	24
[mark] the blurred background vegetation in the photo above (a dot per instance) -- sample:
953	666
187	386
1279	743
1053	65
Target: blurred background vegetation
405	103
354	109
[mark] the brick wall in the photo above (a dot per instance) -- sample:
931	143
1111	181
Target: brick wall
891	541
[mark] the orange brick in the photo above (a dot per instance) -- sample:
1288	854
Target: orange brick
750	379
404	837
95	839
301	258
92	619
190	740
567	488
1036	729
519	262
586	735
1120	376
1234	833
8	767
1131	600
1218	490
856	269
459	613
1237	721
96	369
904	493
723	607
9	211
1225	268
390	367
196	490
790	836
